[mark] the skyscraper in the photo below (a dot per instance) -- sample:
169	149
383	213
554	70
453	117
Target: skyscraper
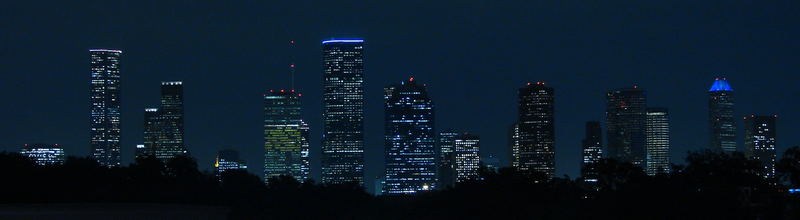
409	139
466	148
536	130
759	142
722	126
171	118
626	113
43	154
228	159
657	143
104	106
446	172
153	132
163	127
343	111
592	150
285	136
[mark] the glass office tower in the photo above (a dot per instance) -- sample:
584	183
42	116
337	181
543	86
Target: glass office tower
722	125
104	106
285	136
658	160
536	135
409	139
343	111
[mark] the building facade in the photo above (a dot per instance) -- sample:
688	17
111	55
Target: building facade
445	145
536	135
104	106
228	159
44	154
286	136
658	144
592	151
343	111
163	127
760	141
722	125
626	113
409	139
466	148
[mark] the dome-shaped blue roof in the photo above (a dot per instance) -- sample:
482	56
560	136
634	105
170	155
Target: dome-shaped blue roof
720	84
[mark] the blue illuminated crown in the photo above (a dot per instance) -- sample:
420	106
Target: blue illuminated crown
720	84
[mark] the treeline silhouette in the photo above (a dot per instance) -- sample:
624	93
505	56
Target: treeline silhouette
711	185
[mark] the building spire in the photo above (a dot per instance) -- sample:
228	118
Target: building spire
292	65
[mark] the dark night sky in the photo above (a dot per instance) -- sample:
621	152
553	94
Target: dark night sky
472	54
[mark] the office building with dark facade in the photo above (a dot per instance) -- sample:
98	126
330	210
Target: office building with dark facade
343	111
721	121
226	160
591	151
409	139
44	154
626	115
445	153
658	142
163	127
536	139
286	136
760	142
104	106
466	148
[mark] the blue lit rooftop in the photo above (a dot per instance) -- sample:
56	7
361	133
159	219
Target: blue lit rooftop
720	84
343	41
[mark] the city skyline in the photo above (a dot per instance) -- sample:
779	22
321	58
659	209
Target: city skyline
225	79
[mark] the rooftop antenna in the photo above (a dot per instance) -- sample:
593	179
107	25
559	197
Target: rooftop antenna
291	63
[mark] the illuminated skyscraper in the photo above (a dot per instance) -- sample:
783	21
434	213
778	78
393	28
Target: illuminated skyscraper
759	142
626	113
153	132
163	127
228	160
285	136
343	111
466	148
536	138
44	154
592	150
446	172
409	139
657	142
722	126
104	106
170	144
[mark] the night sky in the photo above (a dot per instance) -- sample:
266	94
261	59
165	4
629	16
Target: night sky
473	55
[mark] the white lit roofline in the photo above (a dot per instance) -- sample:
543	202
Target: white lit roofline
105	50
343	41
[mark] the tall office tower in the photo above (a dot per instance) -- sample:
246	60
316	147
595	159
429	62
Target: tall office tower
228	159
513	143
657	143
536	151
104	106
446	173
759	142
305	151
43	154
285	136
409	139
592	150
626	113
153	133
722	126
343	112
170	144
466	148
